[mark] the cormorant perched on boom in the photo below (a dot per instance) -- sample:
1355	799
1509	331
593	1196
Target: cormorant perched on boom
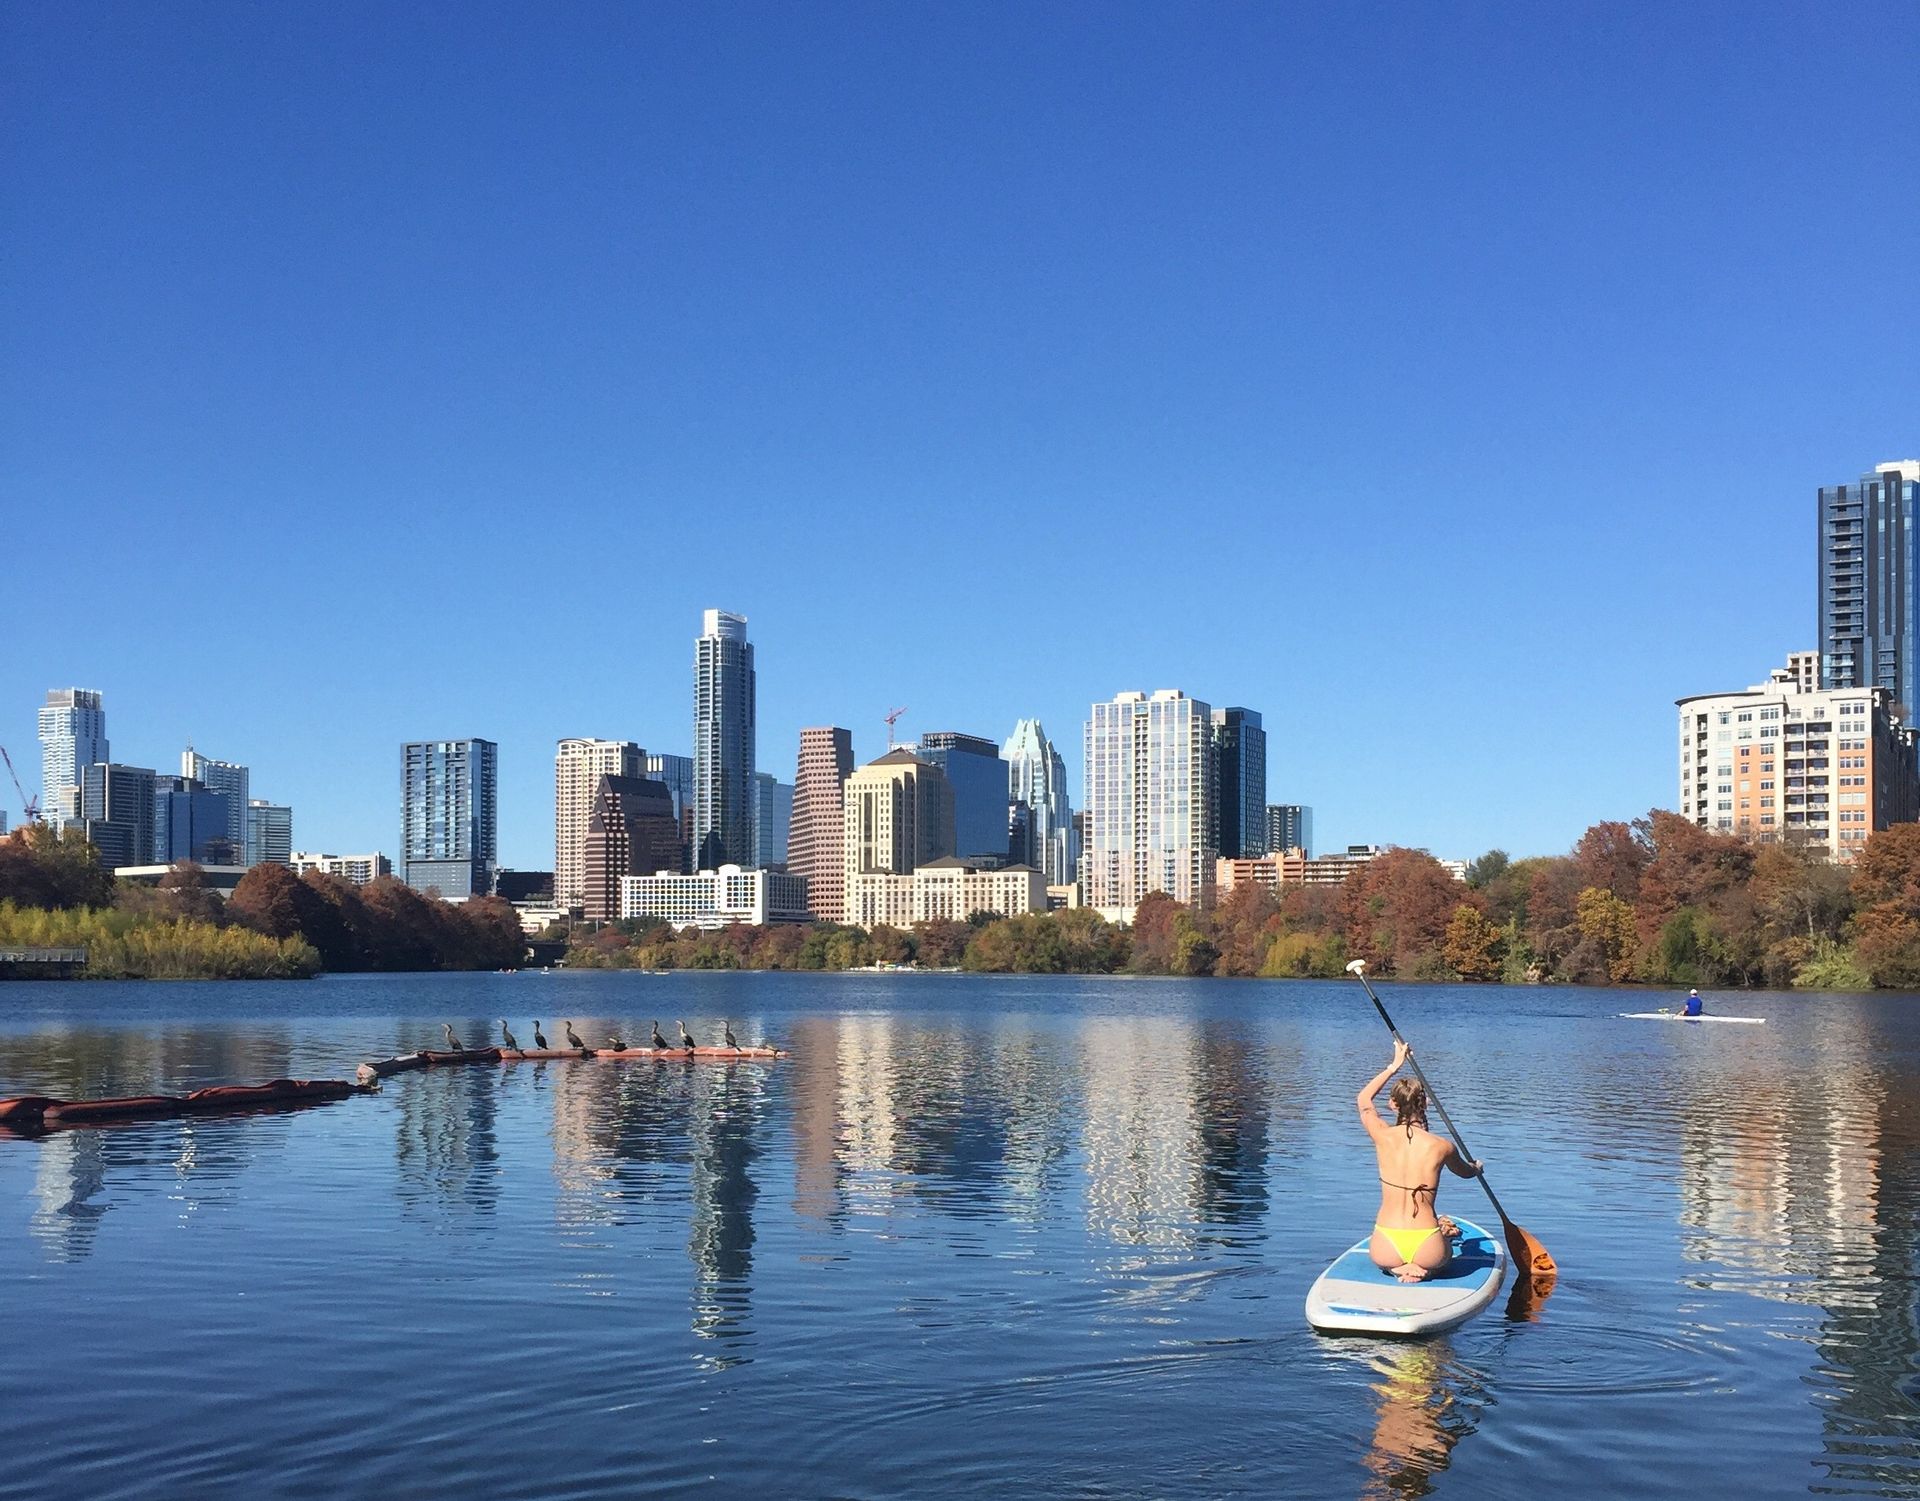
732	1041
539	1040
513	1045
453	1043
686	1037
658	1040
573	1037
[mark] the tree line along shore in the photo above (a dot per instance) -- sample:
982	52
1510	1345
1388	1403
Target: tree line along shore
1657	901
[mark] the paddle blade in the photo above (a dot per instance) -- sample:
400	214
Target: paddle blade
1532	1262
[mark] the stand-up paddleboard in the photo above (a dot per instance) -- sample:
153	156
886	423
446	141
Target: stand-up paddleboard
1354	1295
1679	1016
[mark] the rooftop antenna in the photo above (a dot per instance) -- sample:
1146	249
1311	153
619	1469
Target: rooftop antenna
890	718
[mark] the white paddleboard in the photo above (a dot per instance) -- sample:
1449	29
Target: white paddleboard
1355	1295
1675	1016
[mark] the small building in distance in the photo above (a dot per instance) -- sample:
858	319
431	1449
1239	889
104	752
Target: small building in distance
716	898
359	869
945	890
219	878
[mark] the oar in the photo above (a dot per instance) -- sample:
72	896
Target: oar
1530	1259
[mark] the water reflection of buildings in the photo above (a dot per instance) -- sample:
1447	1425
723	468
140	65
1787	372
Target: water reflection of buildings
1802	1179
629	1137
1141	1131
1172	1120
74	1168
447	1146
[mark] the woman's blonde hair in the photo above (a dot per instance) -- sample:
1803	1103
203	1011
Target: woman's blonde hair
1409	1100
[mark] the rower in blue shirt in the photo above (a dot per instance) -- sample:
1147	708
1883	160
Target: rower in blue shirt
1693	1004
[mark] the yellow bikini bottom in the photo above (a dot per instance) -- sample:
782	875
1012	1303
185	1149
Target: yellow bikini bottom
1406	1242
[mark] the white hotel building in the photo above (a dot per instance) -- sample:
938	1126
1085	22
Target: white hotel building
717	898
1787	760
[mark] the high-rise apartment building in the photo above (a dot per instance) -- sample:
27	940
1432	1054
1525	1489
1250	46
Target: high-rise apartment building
1240	783
723	742
979	780
116	805
898	815
230	779
1037	781
1870	583
631	831
269	833
1289	827
1780	761
449	816
578	766
817	836
73	735
1150	775
772	819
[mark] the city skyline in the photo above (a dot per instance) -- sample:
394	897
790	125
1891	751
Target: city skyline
710	308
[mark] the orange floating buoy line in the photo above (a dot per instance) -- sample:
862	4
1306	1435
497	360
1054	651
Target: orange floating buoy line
33	1115
29	1115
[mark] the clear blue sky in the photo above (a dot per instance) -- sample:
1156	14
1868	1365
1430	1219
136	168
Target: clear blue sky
1450	383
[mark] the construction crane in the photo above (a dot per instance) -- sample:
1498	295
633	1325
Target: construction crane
30	805
890	718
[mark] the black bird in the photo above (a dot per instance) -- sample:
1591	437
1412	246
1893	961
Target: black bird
686	1037
573	1037
539	1039
658	1040
732	1041
615	1045
513	1046
453	1043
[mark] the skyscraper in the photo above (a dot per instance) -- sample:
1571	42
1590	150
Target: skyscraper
631	831
226	777
898	815
772	819
817	835
1037	779
676	772
1240	783
578	766
116	805
449	816
1289	827
73	735
269	833
1870	583
723	742
1150	792
979	780
191	822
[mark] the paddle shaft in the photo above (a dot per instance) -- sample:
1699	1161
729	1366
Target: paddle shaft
1421	1074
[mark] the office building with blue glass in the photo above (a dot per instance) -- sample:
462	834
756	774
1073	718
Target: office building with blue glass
980	793
1870	583
1240	784
449	816
191	822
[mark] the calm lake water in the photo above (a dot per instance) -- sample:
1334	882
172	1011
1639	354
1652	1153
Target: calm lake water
975	1237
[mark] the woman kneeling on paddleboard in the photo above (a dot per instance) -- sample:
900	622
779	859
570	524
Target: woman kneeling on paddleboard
1409	1239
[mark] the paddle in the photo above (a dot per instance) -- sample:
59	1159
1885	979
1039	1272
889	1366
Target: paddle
1531	1260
